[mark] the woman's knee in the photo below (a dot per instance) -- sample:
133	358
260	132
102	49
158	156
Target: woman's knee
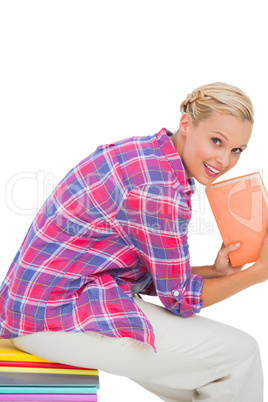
241	347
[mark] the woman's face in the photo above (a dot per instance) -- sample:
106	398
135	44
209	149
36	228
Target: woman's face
213	147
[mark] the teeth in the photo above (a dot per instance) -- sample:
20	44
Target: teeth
211	169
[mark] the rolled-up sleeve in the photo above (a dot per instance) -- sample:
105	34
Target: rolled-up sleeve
155	221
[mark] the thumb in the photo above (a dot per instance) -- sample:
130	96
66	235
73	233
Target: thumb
231	247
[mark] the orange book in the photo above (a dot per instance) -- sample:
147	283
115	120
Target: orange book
240	208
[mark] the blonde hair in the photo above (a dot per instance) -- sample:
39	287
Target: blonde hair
219	97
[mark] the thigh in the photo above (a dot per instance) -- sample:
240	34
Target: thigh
194	336
120	356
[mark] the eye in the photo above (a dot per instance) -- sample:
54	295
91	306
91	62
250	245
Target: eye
237	150
216	140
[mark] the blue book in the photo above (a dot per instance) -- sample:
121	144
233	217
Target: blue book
49	390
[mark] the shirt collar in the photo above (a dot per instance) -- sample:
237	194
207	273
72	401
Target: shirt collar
170	152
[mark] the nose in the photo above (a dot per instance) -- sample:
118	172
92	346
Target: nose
223	159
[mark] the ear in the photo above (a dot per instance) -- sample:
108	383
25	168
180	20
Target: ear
185	124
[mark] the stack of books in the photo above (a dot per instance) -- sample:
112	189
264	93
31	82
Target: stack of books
25	377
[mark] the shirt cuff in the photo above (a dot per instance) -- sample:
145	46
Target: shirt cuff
191	303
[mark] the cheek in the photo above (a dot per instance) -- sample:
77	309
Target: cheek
203	152
233	161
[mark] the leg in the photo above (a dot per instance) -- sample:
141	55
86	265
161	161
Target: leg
197	359
222	363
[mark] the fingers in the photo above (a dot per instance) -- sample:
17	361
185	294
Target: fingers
233	270
228	249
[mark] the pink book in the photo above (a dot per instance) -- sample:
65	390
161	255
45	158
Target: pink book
48	398
4	363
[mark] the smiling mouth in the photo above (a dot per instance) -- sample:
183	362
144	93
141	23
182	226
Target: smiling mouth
212	170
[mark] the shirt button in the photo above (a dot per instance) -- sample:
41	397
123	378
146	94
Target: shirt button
176	293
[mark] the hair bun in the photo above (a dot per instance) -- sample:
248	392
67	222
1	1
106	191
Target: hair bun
195	95
192	97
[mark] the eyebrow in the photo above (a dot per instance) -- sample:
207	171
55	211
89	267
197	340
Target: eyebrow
218	132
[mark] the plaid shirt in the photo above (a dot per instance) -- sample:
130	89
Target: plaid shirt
114	226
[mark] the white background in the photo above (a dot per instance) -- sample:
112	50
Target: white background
77	74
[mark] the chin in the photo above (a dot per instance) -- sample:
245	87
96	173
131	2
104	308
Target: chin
205	181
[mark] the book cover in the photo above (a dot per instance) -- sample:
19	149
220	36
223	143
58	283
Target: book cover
49	397
10	353
42	370
240	208
47	380
13	363
48	390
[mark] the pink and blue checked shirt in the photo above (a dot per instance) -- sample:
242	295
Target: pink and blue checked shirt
114	226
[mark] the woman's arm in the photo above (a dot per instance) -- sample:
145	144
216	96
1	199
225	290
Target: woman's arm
218	289
206	271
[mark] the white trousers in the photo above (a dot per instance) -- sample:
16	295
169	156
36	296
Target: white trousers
197	359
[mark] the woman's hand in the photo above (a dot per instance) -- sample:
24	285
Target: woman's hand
222	265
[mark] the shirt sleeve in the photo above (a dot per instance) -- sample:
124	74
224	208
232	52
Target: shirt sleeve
155	221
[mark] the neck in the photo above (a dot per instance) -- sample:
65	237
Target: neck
178	141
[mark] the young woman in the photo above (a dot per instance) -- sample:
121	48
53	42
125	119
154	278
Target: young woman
115	228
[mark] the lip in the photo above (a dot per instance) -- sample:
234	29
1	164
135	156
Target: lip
210	173
213	167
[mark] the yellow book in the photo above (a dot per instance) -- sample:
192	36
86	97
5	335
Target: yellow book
9	352
41	370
